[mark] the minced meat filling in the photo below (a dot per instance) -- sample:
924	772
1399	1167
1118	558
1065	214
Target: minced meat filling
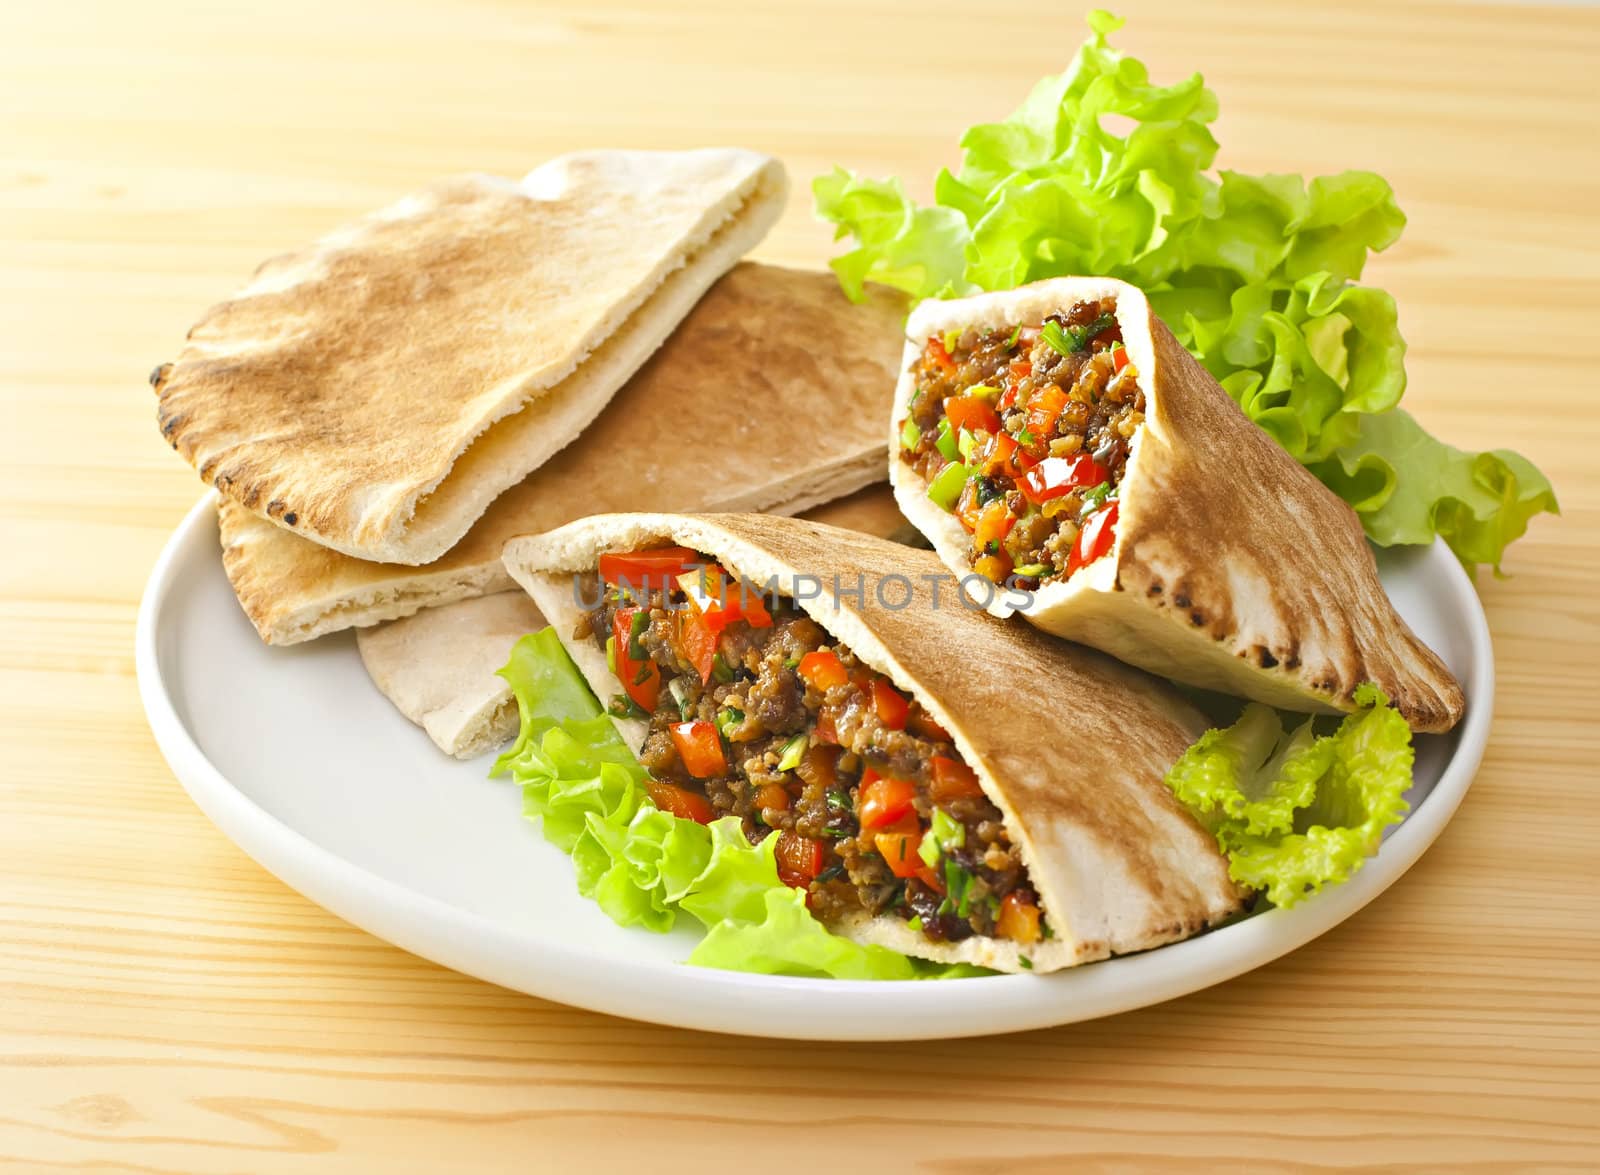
1024	435
777	724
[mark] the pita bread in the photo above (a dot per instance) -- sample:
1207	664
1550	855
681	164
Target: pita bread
1234	568
377	390
1075	759
769	358
439	667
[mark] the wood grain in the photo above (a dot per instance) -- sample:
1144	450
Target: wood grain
167	1006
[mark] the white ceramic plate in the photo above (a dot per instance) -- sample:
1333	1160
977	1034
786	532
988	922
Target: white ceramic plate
297	757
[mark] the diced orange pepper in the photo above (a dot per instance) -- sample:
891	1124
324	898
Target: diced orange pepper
889	704
881	801
952	780
773	796
898	845
1019	919
970	413
822	670
680	801
700	747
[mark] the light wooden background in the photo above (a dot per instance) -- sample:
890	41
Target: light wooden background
165	1005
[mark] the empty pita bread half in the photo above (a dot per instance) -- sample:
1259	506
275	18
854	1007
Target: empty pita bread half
440	666
769	396
376	391
1230	566
1070	746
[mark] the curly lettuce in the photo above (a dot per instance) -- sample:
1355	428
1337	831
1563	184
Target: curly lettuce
642	865
1295	811
1256	275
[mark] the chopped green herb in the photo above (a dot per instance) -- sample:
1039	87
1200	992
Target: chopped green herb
1027	963
832	871
1025	436
636	627
1094	496
720	670
1032	570
946	487
679	689
728	717
914	923
1052	333
949	448
1015	335
910	434
793	751
952	340
988	491
1044	928
1077	339
943	833
792	663
958	887
611	654
643	675
622	706
982	392
992	547
838	800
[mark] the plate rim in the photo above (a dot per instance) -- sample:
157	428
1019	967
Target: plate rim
801	1008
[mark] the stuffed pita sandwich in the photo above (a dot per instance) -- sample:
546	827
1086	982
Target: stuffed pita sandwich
376	391
440	667
944	785
769	396
1058	439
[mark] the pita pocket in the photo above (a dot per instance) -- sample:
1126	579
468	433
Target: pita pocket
1070	746
1217	560
440	666
769	396
376	391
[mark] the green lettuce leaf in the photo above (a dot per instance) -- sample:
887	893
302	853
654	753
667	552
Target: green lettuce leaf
1479	502
1256	275
1295	811
642	865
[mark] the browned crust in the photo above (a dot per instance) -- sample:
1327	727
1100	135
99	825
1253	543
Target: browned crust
1214	502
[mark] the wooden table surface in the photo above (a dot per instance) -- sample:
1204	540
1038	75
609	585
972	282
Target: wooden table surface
166	1005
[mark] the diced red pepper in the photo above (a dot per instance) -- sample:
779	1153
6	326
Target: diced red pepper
1119	358
1019	919
881	801
800	858
722	601
899	843
641	679
970	413
657	568
890	705
680	801
1055	477
967	507
939	354
822	670
700	747
921	723
699	640
1026	338
952	780
1098	535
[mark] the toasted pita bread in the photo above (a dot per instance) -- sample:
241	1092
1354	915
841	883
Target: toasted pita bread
1234	568
439	667
377	390
1071	746
769	396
